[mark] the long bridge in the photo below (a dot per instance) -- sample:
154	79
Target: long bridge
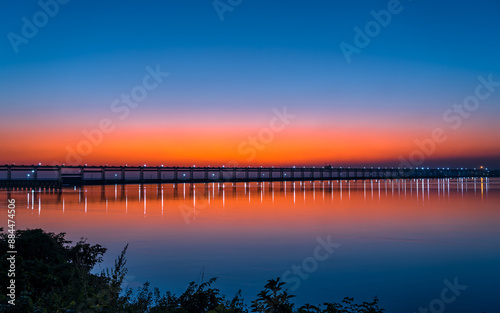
48	176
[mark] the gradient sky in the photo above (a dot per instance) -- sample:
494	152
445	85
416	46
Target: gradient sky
228	77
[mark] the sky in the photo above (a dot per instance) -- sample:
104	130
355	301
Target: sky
250	82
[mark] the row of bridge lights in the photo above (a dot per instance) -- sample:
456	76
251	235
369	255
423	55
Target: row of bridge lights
184	175
423	168
194	166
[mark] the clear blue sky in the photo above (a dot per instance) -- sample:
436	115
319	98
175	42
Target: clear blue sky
262	55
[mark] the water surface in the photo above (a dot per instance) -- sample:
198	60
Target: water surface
395	239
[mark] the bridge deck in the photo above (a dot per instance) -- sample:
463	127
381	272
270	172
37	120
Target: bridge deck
58	176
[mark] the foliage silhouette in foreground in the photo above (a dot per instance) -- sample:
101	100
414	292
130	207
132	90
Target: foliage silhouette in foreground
55	275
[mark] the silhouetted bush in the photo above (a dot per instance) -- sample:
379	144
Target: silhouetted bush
52	275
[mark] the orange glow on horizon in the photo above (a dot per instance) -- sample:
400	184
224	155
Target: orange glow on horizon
216	146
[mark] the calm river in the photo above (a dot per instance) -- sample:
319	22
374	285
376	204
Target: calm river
404	241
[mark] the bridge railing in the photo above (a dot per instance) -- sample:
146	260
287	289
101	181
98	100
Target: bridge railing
38	175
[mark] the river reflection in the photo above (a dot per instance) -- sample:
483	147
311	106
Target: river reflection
398	239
